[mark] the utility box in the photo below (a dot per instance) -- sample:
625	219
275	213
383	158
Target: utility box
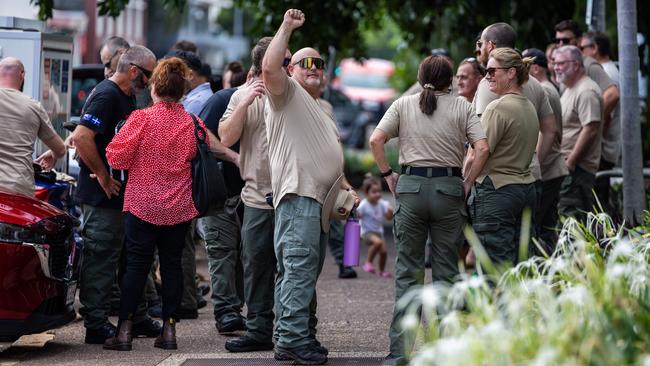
47	59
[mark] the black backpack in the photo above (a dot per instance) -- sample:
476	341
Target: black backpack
208	185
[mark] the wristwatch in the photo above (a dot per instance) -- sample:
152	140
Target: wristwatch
387	173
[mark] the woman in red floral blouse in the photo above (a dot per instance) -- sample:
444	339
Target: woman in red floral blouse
156	146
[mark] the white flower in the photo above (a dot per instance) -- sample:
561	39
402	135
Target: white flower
410	322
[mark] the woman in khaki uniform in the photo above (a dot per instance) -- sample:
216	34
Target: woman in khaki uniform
505	187
432	127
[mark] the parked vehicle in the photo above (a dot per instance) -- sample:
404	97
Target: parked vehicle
39	265
366	82
351	120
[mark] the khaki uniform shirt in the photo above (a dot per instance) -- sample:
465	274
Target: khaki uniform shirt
22	120
511	126
581	105
611	147
304	149
533	91
437	140
554	166
417	88
253	151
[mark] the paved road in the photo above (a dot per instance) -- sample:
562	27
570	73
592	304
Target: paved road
354	318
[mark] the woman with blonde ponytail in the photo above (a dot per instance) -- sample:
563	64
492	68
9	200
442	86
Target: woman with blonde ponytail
505	187
156	145
433	128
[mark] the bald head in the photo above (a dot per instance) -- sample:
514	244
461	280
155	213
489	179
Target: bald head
12	73
304	52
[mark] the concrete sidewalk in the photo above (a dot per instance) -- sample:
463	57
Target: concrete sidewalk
354	317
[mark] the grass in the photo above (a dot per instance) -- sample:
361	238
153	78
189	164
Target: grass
586	304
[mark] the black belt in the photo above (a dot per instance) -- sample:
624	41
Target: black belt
430	172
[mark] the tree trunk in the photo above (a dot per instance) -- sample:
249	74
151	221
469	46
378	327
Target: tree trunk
633	186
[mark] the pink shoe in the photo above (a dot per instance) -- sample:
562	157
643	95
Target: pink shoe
368	267
385	274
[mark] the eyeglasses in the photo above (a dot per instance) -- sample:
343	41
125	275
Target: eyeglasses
561	63
564	41
108	63
308	62
286	62
144	71
492	70
590	45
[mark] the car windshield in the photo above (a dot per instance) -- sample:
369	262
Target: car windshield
365	81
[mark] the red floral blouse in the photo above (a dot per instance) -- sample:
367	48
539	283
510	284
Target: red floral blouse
156	145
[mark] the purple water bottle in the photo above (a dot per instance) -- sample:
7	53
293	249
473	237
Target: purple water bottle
351	242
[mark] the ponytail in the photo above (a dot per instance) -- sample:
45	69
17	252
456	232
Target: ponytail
434	74
428	100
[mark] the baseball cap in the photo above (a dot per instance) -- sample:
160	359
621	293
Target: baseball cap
540	57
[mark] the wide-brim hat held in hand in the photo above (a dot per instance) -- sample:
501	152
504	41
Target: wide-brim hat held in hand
337	205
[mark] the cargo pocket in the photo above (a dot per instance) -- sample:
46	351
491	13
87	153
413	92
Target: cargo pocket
407	187
497	240
293	282
453	192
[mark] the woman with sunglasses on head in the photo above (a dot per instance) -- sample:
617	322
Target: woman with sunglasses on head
156	145
433	127
505	186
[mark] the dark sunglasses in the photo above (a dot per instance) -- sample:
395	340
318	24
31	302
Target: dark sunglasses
144	71
563	40
582	48
492	70
308	62
286	62
107	65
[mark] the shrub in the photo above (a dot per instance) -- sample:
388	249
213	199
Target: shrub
586	304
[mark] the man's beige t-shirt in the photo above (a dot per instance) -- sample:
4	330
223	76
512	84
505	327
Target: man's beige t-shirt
596	73
253	150
22	120
611	146
554	166
511	126
582	104
304	150
532	90
436	140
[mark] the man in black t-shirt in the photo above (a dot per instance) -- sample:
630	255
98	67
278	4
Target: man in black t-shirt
222	233
100	190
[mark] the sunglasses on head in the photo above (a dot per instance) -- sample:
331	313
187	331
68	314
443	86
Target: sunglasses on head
144	71
566	40
307	62
475	65
492	70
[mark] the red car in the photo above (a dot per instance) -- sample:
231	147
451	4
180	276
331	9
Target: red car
39	266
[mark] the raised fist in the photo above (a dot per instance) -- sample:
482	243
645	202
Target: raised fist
293	19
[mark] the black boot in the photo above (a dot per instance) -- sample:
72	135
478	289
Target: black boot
123	338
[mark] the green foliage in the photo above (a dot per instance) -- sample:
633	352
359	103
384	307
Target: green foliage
360	162
112	8
336	24
44	8
587	304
